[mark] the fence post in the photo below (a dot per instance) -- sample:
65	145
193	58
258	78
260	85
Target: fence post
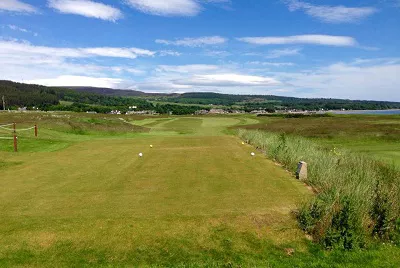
15	138
36	130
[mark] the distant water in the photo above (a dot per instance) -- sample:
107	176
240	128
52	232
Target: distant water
383	112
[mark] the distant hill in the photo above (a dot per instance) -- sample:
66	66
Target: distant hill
117	92
108	91
104	99
271	102
19	94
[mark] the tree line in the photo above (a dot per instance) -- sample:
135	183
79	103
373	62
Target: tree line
48	99
83	100
270	102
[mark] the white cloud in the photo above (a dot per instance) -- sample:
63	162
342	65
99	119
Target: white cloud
332	14
194	42
26	62
161	86
193	68
274	64
326	40
17	6
376	61
16	28
227	80
129	53
374	79
134	71
73	80
278	53
86	8
164	53
17	48
121	69
360	79
167	7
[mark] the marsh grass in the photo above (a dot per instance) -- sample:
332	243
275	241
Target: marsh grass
375	136
357	198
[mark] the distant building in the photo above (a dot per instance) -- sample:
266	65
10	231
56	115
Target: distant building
258	112
201	112
148	112
217	111
115	112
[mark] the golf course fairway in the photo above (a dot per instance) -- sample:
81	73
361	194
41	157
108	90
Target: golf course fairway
196	197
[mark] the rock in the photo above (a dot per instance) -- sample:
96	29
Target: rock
301	173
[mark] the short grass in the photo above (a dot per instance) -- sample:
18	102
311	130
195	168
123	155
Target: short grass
197	198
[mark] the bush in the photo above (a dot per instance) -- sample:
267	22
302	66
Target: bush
356	196
395	236
345	229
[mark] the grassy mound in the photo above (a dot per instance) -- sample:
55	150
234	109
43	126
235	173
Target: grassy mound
356	197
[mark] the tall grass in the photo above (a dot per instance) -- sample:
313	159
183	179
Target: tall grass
357	198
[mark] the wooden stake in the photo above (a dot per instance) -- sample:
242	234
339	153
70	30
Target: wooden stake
36	130
15	138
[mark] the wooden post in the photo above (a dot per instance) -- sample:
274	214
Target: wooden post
36	130
15	143
15	138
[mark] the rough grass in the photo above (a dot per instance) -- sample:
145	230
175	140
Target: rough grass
60	130
356	197
376	136
382	127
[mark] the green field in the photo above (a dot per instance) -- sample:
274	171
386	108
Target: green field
375	136
79	195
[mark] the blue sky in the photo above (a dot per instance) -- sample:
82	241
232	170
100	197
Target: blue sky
332	49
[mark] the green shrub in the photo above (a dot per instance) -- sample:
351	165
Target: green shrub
309	215
345	230
385	210
395	236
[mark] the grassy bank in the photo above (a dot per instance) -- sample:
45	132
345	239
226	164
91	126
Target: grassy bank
357	198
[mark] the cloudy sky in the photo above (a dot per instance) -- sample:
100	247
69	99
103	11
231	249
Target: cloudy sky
311	48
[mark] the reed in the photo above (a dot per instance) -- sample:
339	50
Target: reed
357	198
